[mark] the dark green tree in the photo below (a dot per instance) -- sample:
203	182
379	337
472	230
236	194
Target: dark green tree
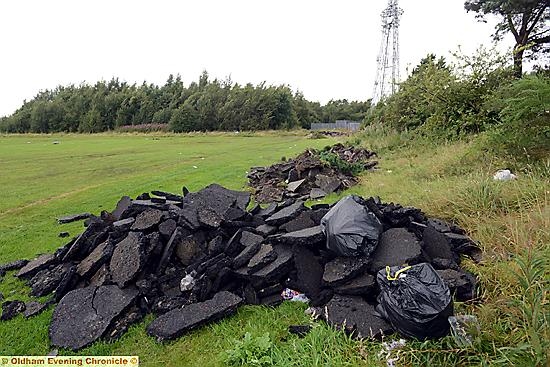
184	119
527	20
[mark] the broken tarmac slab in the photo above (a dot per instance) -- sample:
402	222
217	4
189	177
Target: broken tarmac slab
286	214
356	317
302	221
127	260
73	218
327	184
265	255
84	314
293	186
268	211
363	285
317	193
309	272
167	227
123	204
437	245
250	239
147	220
47	280
462	284
10	309
209	218
244	257
396	247
277	268
266	229
342	269
34	266
93	262
178	321
168	250
33	308
14	265
309	236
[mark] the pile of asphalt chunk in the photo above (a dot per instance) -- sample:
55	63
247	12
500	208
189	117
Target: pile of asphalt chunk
309	177
194	258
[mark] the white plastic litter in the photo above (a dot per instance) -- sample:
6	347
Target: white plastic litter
294	296
187	283
388	348
464	329
504	175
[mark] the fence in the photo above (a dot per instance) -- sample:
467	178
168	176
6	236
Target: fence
338	125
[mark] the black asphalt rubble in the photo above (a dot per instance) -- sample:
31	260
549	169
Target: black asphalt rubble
193	258
307	176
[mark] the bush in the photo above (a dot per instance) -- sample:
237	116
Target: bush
524	110
445	101
334	161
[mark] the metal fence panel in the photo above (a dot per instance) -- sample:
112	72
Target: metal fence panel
338	125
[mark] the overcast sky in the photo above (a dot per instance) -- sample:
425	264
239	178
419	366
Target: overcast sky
326	49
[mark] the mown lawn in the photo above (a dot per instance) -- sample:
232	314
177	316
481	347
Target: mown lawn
41	180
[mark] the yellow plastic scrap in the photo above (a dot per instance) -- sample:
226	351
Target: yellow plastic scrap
397	273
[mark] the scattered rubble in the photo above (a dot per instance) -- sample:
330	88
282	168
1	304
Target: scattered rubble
73	218
174	323
10	309
33	308
313	174
299	330
194	258
355	316
316	134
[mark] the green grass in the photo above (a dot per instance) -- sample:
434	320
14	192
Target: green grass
511	221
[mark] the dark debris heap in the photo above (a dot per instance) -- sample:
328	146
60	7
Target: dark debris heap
311	175
194	258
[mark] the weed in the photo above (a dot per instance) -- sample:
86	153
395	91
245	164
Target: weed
533	303
334	161
250	351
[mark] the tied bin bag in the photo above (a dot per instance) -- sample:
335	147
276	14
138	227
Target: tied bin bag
415	300
351	229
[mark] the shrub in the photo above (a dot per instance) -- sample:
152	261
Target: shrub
524	110
334	161
251	351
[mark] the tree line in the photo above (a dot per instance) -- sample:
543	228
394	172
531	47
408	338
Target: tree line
204	106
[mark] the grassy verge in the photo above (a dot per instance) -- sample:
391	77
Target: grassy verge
511	220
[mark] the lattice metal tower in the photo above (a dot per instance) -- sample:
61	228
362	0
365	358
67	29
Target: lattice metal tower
387	73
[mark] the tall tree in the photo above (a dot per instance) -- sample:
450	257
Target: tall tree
527	20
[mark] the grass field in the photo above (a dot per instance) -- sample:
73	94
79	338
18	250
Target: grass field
41	180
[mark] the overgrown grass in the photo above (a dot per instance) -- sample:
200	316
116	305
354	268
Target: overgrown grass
511	221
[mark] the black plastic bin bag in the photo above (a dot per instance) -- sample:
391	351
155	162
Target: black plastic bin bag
351	228
415	300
